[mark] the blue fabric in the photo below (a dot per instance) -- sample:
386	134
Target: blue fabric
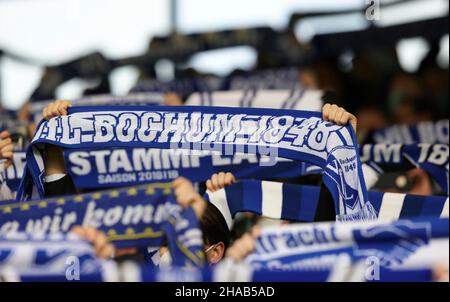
299	202
432	158
118	167
390	244
297	135
426	132
134	217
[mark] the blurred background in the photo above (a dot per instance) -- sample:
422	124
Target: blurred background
390	64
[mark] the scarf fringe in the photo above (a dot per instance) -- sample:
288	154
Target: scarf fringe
367	213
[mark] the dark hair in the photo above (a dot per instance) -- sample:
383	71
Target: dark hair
214	227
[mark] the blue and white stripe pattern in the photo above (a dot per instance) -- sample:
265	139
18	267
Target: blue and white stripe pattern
327	269
298	203
296	99
297	135
432	158
400	244
144	98
425	132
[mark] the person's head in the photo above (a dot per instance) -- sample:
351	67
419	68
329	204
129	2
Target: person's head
216	234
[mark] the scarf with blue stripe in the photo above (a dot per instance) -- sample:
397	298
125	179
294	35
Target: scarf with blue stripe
431	158
299	203
135	217
297	135
49	253
400	244
299	98
123	167
274	79
425	132
328	270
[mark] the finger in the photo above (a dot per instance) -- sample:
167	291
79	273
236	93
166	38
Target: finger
49	110
67	103
333	111
78	231
4	134
90	234
241	250
63	107
5	142
215	182
209	185
8	148
249	246
8	155
256	231
229	179
339	114
177	182
100	240
354	121
61	110
8	163
247	243
326	112
344	119
221	180
55	110
106	251
45	113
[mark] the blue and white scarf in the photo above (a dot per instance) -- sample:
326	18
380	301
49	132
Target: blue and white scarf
295	99
431	158
272	79
324	271
147	98
13	174
299	203
426	132
5	191
52	253
132	217
297	135
118	167
401	244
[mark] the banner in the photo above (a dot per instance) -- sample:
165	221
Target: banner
426	132
295	99
431	158
297	135
226	272
50	253
118	167
401	244
136	217
299	203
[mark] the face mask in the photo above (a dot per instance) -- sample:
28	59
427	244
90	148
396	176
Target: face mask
166	259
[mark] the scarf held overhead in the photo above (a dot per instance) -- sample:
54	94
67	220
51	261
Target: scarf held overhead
400	244
433	158
297	135
135	217
299	203
117	167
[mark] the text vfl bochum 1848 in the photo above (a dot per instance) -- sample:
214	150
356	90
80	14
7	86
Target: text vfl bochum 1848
171	127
